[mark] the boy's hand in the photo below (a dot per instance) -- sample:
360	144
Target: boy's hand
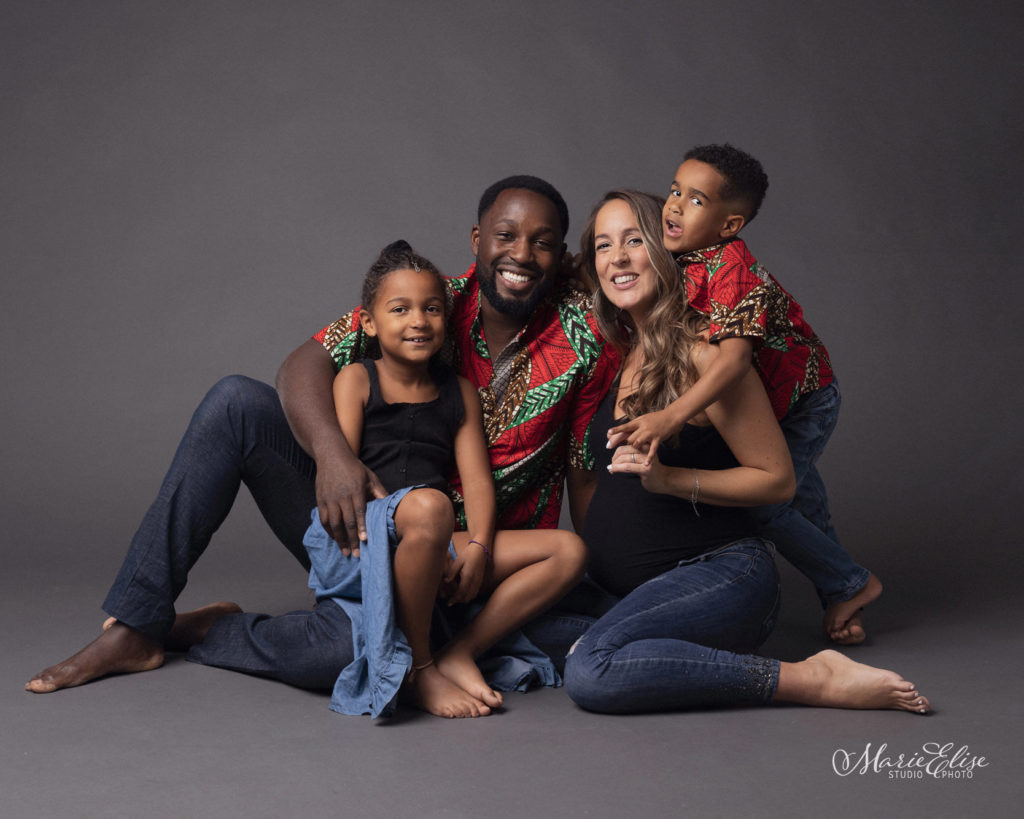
645	433
465	574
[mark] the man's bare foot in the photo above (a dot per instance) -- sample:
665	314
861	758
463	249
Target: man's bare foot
461	669
190	627
829	679
843	620
118	650
430	690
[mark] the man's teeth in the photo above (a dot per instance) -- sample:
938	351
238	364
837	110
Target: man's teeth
512	276
623	278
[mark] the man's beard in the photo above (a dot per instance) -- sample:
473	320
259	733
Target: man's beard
521	309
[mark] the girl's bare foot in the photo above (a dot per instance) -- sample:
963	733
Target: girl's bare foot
843	620
461	669
190	627
829	679
118	650
431	691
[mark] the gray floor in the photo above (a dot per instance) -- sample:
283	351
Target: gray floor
188	740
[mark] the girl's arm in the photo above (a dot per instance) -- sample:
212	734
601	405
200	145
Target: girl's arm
743	417
474	467
728	367
351	392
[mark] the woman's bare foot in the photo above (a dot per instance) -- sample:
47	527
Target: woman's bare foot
431	691
829	679
118	650
843	620
461	669
190	627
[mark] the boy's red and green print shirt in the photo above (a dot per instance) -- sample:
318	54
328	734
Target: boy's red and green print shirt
741	298
538	397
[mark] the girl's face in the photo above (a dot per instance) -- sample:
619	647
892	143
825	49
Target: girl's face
624	270
407	316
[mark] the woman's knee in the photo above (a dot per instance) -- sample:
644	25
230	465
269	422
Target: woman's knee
584	678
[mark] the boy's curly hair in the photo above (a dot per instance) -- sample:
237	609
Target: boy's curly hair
745	179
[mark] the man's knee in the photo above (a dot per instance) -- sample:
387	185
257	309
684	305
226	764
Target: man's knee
234	391
232	400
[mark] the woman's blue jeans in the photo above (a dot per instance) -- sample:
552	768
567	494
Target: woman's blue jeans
682	640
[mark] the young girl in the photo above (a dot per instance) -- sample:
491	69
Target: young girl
408	416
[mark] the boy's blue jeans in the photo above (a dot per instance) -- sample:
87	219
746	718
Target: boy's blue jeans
682	640
802	529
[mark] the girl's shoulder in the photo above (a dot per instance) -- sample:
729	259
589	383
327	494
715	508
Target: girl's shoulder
355	378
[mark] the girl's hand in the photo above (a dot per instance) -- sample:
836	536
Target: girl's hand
629	460
465	575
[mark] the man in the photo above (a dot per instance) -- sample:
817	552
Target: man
517	330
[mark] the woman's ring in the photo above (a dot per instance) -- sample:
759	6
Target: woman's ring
633	456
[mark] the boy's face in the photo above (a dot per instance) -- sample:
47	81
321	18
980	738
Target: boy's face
695	216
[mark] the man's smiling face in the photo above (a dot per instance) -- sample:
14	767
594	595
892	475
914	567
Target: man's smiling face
518	248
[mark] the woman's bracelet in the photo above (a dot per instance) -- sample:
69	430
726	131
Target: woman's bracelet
695	493
486	550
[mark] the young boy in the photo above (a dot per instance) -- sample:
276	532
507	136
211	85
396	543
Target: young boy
716	191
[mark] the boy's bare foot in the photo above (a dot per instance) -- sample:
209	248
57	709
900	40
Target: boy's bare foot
118	650
843	620
829	679
431	691
461	669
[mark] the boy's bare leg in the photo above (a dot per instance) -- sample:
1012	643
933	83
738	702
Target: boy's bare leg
190	627
532	571
118	650
424	522
829	679
843	620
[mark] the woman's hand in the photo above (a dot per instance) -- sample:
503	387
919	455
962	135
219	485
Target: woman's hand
464	575
628	460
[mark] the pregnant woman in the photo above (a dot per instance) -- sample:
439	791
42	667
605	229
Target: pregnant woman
699	590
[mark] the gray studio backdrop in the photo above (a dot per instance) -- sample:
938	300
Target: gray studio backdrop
191	189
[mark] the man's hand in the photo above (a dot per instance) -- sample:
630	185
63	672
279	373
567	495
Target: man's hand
465	575
645	433
343	486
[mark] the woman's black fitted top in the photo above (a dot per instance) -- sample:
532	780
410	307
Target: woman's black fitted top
634	535
407	444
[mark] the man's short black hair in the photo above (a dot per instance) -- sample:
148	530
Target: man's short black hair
745	179
528	183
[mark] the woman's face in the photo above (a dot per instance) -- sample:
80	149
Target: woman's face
624	270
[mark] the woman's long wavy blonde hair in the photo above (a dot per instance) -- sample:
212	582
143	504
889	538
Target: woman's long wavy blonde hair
667	337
